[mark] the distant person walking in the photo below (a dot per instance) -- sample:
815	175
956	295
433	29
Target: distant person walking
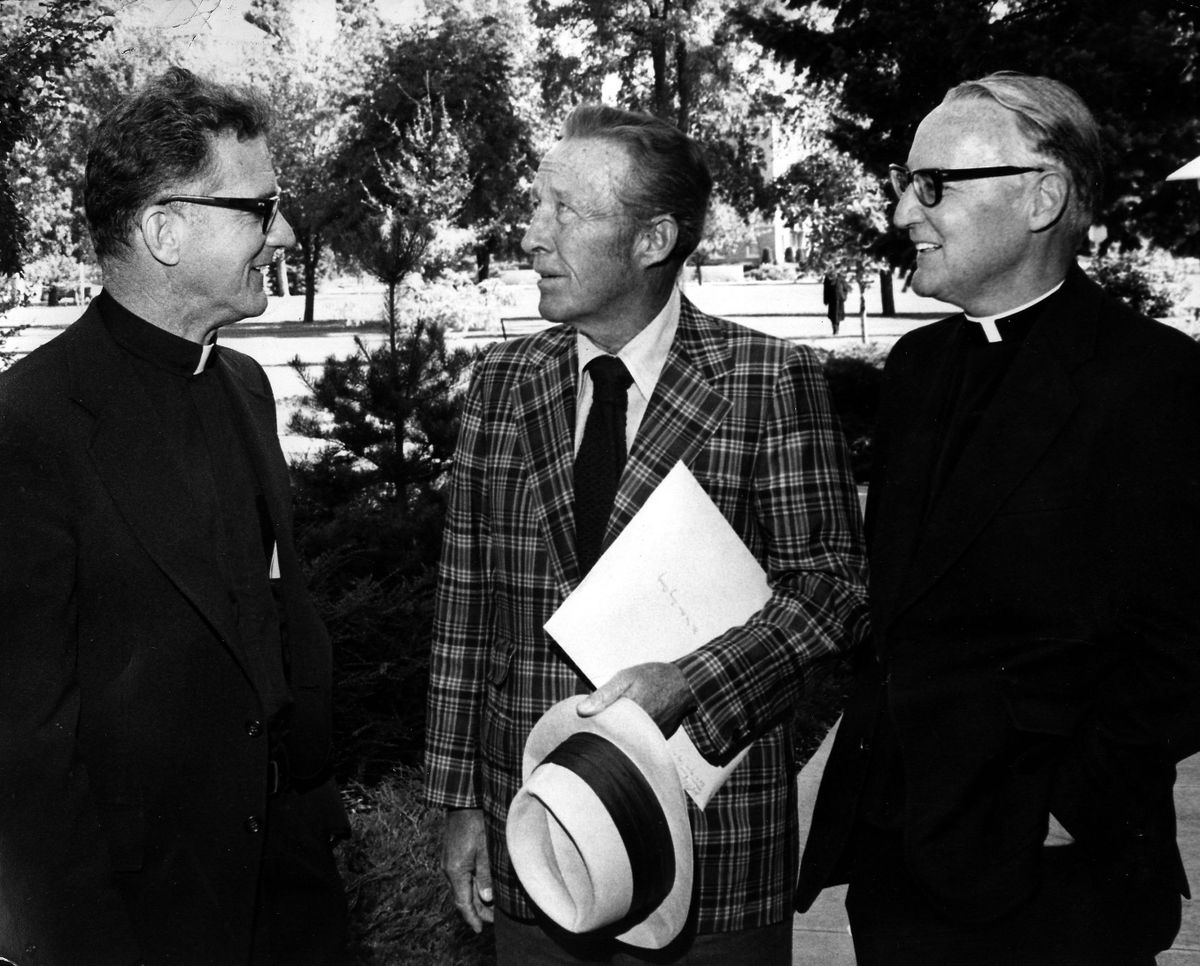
835	291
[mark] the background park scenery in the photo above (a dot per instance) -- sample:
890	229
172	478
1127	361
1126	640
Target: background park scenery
407	135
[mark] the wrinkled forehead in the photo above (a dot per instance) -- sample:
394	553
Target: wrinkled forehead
241	168
969	133
584	168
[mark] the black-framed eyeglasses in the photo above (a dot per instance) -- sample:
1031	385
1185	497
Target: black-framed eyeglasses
266	208
928	182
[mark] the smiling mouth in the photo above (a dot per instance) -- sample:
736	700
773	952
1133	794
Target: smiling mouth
924	248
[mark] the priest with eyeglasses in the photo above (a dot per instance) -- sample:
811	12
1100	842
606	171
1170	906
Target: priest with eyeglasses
1000	789
165	790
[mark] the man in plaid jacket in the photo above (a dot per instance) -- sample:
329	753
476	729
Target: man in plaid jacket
619	204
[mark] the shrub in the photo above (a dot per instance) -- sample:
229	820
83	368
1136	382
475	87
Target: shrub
369	512
772	272
400	906
855	375
1146	281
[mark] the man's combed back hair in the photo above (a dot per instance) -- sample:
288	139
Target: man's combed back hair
669	174
156	139
1059	126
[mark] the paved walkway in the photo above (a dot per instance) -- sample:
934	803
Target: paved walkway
821	936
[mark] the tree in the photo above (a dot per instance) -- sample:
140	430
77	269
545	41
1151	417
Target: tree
466	63
1134	64
369	521
842	210
422	188
726	233
36	50
311	81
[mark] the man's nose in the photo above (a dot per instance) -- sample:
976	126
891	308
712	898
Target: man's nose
908	210
536	237
281	234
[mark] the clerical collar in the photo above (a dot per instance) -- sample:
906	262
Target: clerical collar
988	323
159	347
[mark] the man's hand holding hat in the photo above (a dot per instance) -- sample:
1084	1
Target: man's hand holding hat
659	688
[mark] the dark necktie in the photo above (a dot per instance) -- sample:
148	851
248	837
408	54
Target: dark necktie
601	457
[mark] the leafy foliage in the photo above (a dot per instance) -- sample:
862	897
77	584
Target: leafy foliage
369	513
843	214
422	186
1145	281
855	377
468	65
310	83
36	50
1134	64
726	234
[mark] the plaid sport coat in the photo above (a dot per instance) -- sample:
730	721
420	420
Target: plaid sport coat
751	418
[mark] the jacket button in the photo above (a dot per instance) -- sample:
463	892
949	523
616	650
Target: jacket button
252	825
254	727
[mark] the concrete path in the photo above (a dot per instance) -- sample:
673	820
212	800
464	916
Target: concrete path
821	936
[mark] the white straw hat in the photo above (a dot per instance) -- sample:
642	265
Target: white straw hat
599	833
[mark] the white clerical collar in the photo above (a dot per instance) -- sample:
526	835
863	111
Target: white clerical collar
646	353
205	352
988	322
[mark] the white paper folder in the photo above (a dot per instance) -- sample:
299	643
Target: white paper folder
676	577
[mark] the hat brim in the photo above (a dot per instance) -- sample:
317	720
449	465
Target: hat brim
632	730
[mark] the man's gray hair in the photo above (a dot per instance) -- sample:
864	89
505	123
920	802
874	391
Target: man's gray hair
1058	125
669	174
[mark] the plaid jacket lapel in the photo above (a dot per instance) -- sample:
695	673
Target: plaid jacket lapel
682	415
544	411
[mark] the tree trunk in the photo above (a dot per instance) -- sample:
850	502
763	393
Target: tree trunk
862	310
389	307
483	262
886	294
310	289
658	60
683	85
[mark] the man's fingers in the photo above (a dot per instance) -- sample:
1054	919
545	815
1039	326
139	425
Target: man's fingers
464	900
605	695
466	866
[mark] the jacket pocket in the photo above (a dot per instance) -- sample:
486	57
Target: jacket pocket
499	660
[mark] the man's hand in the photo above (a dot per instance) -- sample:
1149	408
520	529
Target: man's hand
466	865
660	689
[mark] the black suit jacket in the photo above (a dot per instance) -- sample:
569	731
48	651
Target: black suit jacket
133	751
1036	630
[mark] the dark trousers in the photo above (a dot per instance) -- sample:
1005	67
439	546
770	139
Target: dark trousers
300	916
544	944
1079	916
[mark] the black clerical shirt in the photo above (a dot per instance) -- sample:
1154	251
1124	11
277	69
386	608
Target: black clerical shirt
977	369
191	393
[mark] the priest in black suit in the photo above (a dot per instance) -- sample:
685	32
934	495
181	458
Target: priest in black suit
1000	791
164	679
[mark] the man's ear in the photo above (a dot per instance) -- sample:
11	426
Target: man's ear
1050	197
162	234
656	241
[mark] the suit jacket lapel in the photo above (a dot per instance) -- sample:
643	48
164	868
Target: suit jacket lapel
1032	405
899	498
254	411
544	409
138	463
682	413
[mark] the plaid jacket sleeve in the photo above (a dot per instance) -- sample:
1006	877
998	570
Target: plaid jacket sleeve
461	623
801	519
